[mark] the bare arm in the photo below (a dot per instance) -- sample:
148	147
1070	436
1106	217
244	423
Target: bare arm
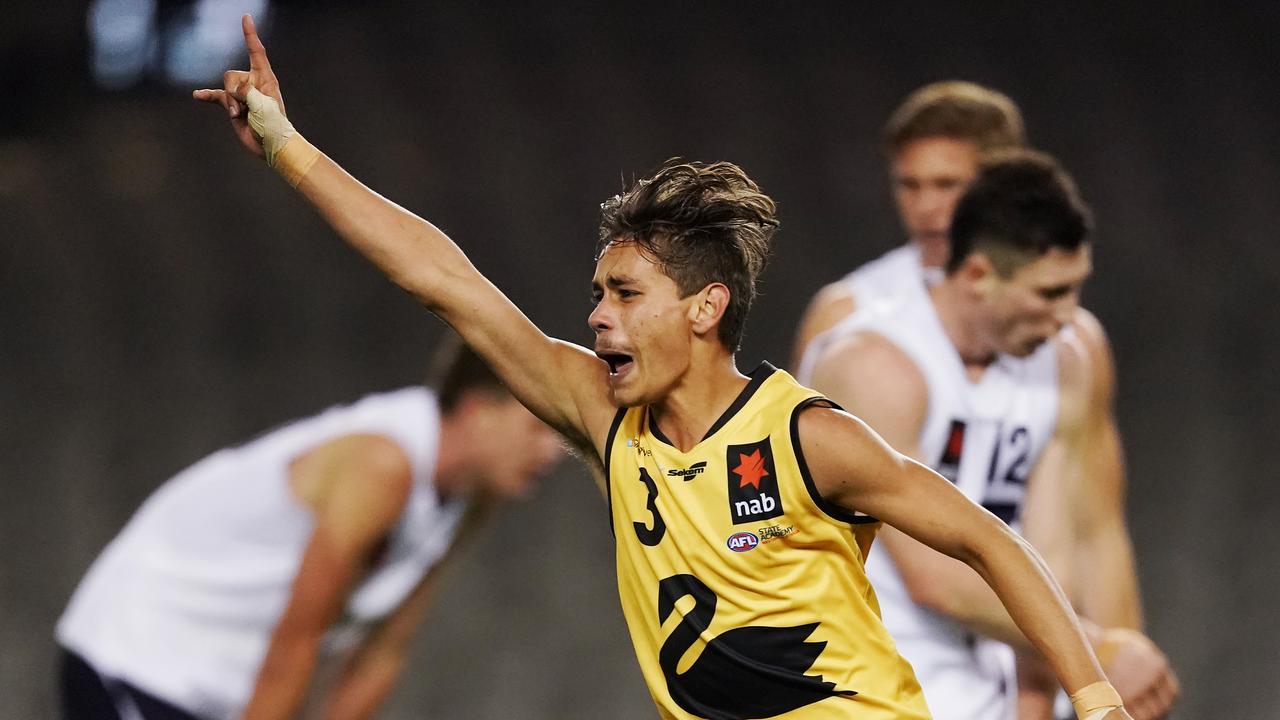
357	486
373	671
563	384
877	382
855	468
1075	510
1104	552
832	304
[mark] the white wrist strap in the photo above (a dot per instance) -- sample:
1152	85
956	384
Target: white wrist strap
269	124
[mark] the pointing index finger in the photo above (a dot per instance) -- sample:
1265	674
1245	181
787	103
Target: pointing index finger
257	51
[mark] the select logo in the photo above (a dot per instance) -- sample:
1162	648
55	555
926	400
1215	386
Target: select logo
688	473
742	542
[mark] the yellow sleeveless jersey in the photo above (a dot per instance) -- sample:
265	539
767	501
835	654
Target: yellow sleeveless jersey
743	589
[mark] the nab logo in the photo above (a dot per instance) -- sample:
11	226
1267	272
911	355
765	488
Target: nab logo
753	484
742	542
693	471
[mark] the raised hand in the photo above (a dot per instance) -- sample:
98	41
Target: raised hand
236	84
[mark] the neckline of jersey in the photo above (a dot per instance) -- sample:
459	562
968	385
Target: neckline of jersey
762	372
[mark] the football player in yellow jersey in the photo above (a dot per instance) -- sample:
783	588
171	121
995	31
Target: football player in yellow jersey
742	506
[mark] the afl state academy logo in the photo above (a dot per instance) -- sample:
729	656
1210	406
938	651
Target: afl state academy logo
753	483
742	542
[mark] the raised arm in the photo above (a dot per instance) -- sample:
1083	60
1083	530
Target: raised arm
563	384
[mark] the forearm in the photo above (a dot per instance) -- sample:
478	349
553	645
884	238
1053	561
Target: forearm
1035	602
415	254
283	679
365	686
1108	589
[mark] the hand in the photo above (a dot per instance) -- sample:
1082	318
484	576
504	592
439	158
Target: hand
236	84
1140	672
1117	714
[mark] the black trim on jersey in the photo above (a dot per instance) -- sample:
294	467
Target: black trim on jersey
758	376
608	453
825	505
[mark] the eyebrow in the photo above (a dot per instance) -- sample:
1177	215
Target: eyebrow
614	281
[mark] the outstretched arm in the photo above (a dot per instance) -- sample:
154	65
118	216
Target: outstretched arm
563	384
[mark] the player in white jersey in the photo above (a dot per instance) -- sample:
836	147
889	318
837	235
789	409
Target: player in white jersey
286	574
977	377
933	142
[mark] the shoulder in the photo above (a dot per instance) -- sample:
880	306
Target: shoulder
867	361
833	302
839	448
356	472
1086	375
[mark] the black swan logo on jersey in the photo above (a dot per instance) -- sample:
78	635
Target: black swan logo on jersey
745	672
693	471
753	484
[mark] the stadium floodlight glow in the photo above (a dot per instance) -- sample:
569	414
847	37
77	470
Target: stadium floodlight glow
133	40
123	40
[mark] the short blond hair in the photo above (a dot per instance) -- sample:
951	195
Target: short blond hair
956	109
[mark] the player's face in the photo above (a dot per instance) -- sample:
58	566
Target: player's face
929	176
1037	300
641	324
518	447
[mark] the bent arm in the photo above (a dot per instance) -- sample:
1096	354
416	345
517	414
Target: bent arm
1103	559
357	486
876	381
372	673
855	468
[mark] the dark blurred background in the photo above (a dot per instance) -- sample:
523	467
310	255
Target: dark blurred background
164	294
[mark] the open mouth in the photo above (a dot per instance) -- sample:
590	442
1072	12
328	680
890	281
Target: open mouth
619	363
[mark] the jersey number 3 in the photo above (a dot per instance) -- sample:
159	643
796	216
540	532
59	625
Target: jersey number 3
650	535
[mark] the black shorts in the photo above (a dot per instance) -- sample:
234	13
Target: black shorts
87	695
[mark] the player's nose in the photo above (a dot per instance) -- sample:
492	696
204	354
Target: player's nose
601	318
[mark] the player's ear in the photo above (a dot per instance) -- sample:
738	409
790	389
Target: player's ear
708	306
977	270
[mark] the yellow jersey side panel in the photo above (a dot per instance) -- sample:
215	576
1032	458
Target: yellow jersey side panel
745	598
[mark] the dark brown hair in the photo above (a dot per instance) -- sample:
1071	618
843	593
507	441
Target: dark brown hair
456	370
701	223
1021	205
959	110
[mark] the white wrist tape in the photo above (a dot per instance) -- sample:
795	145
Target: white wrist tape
287	151
269	124
1093	702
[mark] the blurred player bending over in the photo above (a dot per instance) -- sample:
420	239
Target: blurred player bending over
302	559
742	506
977	377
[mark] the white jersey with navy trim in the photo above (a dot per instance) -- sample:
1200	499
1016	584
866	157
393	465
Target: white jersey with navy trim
183	602
985	437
